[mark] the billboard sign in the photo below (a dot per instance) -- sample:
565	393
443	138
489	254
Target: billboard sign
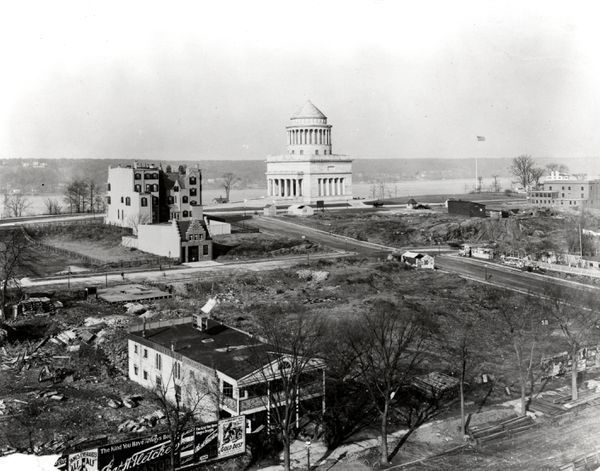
84	461
133	454
232	436
199	444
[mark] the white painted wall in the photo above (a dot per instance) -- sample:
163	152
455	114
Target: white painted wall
160	239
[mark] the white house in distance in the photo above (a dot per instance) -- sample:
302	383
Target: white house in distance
418	260
199	359
309	171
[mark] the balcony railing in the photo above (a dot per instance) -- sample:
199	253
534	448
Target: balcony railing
260	402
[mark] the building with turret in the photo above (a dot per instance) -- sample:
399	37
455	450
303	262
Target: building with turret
309	171
146	194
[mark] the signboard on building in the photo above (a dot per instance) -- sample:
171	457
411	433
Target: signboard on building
133	454
232	436
202	443
84	461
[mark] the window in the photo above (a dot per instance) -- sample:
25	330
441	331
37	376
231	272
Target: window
227	389
193	202
193	191
175	189
549	187
158	361
569	188
145	375
325	152
178	394
205	250
135	349
108	200
122	199
137	176
582	195
128	201
144	201
563	195
148	187
563	187
184	199
137	188
581	188
158	381
108	186
192	180
301	152
145	353
135	370
185	214
155	176
171	200
154	187
177	370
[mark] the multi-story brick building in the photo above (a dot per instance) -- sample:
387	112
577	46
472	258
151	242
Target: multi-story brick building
216	369
147	194
567	193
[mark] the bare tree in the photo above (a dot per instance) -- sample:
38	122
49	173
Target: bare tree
387	345
228	181
463	337
518	320
287	364
496	185
524	170
536	174
93	190
182	401
77	195
138	220
15	204
12	249
577	320
52	206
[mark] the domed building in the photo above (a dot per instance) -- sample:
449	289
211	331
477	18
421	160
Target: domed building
309	171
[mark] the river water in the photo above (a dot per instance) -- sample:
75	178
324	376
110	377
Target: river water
363	190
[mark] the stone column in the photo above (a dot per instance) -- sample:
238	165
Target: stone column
299	186
342	186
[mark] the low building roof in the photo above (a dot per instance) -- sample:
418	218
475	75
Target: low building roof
223	348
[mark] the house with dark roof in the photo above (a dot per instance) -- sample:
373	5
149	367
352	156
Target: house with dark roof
179	355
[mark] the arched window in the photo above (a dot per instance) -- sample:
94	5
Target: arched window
108	200
184	199
128	201
155	187
192	180
122	199
193	191
137	176
175	189
109	187
137	188
144	201
185	214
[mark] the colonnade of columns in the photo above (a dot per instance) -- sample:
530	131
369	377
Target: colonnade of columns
331	186
309	136
284	187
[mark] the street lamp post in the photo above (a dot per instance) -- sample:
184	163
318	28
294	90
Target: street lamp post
307	443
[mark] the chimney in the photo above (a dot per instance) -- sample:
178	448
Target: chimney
200	322
172	346
144	329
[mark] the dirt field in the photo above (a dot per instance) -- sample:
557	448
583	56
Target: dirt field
252	246
531	231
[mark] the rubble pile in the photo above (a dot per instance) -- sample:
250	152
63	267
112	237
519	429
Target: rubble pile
313	275
143	423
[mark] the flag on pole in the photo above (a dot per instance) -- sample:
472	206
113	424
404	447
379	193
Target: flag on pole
481	138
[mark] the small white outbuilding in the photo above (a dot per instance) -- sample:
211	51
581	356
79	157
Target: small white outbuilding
300	210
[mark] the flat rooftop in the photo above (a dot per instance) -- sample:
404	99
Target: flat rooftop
223	348
131	292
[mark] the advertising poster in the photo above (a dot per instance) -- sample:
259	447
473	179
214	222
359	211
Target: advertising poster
84	461
133	454
186	447
205	442
232	436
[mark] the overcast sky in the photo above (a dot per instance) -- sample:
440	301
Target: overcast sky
213	80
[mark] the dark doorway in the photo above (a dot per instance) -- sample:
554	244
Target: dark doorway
193	253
